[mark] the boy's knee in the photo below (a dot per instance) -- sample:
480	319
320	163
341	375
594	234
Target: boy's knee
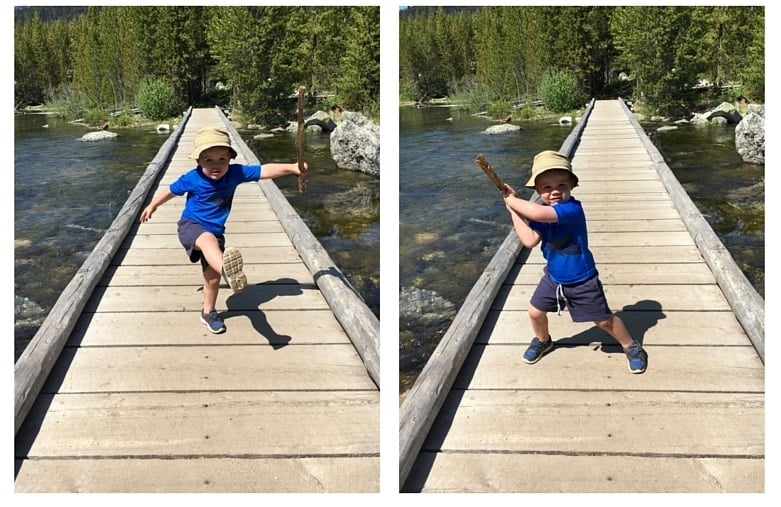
535	313
606	323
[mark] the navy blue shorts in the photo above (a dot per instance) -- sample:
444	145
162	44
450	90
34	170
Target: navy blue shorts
586	301
189	231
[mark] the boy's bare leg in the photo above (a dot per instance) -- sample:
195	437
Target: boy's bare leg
210	249
615	327
211	287
539	321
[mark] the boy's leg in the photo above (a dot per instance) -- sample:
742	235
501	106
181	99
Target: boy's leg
541	344
539	322
615	327
637	357
210	249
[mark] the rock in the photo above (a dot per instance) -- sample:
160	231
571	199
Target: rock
565	120
98	136
424	305
163	127
355	144
503	128
750	136
666	128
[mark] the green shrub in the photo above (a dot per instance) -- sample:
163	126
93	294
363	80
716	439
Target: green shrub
559	91
95	116
157	99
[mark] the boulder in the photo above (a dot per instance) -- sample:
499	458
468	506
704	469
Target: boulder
98	135
355	144
750	136
504	128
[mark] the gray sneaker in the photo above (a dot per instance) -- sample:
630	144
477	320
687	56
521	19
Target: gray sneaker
232	265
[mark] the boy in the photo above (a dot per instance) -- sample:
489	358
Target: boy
210	188
570	277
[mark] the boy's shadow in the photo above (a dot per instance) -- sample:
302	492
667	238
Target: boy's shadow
638	319
247	303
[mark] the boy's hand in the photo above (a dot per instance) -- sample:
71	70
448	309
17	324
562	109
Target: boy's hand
507	191
147	213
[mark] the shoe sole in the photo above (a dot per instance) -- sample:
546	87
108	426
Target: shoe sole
538	357
209	327
232	266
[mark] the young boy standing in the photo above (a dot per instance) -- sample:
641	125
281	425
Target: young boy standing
210	188
570	277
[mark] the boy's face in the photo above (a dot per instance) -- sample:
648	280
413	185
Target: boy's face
214	161
554	186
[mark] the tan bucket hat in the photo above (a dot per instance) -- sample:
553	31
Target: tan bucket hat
209	137
547	160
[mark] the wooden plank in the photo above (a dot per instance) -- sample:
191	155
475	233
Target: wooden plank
160	276
245	328
177	256
645	238
204	424
633	255
638	225
602	422
256	296
704	298
645	323
543	473
281	474
259	226
586	367
240	241
626	274
233	367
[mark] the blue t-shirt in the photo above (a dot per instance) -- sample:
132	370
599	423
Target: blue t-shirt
209	201
565	244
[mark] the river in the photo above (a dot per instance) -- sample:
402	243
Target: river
67	193
452	219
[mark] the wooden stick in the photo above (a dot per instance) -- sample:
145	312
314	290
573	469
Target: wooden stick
302	182
485	166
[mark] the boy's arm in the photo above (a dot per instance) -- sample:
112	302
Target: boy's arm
528	236
163	196
527	209
274	170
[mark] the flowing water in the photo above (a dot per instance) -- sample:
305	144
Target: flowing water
452	219
67	193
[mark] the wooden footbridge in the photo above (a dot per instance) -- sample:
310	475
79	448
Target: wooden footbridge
124	390
478	419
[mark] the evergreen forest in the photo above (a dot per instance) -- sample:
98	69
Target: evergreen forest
670	59
91	62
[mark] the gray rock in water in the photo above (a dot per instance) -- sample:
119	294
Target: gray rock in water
750	136
504	128
424	305
98	136
355	144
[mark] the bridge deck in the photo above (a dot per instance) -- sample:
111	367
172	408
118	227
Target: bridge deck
144	399
578	421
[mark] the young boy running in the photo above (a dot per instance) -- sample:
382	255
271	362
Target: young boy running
570	277
210	188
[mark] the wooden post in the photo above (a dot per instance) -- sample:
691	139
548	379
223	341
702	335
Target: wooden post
302	183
